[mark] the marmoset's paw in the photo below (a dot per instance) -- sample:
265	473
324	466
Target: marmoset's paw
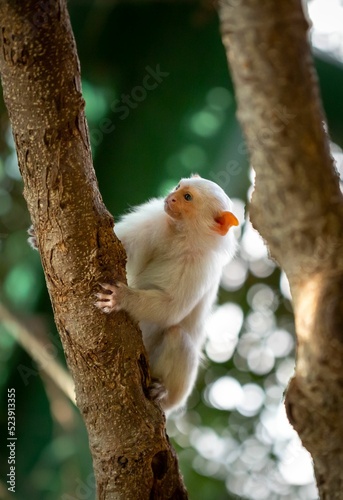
32	240
110	300
157	391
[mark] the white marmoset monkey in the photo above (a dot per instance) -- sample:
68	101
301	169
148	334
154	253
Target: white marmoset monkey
176	249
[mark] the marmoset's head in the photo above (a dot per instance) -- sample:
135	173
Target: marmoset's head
201	202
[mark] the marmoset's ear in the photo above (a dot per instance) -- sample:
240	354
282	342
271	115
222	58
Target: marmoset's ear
196	175
224	221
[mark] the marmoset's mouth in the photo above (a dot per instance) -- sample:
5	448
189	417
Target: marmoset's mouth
168	209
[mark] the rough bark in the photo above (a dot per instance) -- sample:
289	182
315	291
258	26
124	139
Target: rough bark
40	75
297	207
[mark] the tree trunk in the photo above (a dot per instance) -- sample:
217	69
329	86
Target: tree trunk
297	207
40	74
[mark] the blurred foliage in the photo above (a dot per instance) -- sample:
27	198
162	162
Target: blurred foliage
160	105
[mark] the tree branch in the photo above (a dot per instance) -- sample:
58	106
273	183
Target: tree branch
42	90
38	351
297	207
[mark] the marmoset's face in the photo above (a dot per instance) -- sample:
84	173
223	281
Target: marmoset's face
181	202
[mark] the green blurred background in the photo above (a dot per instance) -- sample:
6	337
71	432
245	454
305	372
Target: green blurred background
160	106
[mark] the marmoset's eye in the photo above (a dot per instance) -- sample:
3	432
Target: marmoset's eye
177	187
188	197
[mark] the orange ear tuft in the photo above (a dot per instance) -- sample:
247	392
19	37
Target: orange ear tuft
224	221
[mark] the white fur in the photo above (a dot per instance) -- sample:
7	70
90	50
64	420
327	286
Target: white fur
173	271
